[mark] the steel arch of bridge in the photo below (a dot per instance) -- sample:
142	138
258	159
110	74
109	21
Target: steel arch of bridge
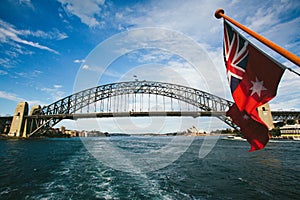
50	115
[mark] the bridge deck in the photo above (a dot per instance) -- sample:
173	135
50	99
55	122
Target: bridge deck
275	114
131	114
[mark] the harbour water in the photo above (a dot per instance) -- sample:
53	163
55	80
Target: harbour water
66	169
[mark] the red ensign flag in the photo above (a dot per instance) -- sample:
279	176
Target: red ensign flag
253	79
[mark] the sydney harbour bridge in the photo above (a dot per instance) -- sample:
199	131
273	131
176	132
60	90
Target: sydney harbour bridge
124	99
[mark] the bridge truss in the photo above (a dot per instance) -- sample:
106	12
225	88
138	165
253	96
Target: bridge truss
285	116
132	99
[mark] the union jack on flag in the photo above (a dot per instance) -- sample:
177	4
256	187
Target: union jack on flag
235	56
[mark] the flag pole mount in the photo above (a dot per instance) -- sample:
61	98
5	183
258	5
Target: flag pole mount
292	57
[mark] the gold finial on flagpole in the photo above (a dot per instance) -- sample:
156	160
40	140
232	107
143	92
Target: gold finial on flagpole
292	57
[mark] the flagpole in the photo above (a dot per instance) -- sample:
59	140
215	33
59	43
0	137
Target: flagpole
292	57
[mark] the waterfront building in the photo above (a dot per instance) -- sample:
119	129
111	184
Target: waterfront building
290	132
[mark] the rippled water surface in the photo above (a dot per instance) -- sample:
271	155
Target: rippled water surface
65	169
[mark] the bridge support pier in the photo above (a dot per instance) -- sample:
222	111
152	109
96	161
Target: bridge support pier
265	114
18	122
31	124
5	123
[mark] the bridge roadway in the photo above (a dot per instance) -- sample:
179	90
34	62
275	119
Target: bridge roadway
131	114
277	115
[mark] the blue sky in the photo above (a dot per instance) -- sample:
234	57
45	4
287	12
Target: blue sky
44	44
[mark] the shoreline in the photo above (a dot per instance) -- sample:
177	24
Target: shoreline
227	136
5	136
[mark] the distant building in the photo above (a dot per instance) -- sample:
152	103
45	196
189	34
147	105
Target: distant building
71	133
193	131
63	129
82	134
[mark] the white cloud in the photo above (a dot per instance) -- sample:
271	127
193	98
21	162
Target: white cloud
55	34
10	96
33	44
288	96
151	55
85	67
29	74
79	61
26	3
86	11
271	20
54	92
16	98
101	71
57	86
8	34
290	39
2	72
160	65
191	17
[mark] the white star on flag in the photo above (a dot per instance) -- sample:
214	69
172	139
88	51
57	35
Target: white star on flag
245	117
257	87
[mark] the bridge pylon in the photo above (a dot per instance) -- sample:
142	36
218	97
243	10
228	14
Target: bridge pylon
31	124
265	114
18	122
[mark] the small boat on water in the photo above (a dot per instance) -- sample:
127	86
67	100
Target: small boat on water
231	137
